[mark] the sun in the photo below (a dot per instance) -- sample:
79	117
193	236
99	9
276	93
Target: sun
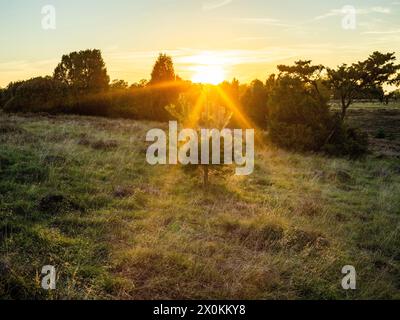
208	68
208	74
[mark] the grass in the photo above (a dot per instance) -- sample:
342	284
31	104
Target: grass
76	193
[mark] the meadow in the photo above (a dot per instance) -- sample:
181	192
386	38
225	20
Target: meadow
77	193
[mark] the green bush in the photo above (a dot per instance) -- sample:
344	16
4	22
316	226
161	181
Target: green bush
347	141
90	105
297	119
35	95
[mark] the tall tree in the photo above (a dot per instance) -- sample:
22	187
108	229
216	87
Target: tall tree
164	87
84	71
163	70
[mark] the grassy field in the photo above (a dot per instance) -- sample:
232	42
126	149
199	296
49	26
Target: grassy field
77	193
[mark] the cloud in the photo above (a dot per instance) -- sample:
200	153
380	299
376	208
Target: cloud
263	21
208	6
383	32
365	11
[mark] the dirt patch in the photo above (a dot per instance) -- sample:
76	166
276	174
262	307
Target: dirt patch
301	239
310	207
255	236
382	126
56	204
105	145
123	192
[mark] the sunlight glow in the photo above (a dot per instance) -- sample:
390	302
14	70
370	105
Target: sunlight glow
208	74
207	68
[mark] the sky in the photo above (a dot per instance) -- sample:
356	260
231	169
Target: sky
245	39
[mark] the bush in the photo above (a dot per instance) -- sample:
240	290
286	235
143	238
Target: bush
90	105
35	95
347	141
298	119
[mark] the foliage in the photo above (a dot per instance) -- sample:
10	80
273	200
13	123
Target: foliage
210	114
163	70
119	84
347	141
372	74
83	71
298	114
254	102
37	95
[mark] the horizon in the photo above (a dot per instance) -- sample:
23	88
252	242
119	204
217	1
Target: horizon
228	38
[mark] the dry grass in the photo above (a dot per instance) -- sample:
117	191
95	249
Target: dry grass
116	227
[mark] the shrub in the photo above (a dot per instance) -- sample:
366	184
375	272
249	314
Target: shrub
36	95
90	105
347	141
297	119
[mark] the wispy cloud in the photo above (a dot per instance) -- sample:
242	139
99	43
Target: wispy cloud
263	21
212	5
383	32
364	11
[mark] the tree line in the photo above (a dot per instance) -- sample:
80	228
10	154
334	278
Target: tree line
294	105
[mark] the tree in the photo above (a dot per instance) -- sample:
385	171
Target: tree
163	70
119	85
84	71
211	115
297	117
254	102
308	74
164	88
372	74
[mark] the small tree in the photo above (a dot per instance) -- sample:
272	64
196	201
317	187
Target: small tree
210	115
372	74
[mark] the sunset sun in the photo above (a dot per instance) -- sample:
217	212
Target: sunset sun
207	68
208	74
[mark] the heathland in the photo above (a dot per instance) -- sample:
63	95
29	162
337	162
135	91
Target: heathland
76	192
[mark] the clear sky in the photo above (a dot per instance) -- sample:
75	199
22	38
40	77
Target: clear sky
246	38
